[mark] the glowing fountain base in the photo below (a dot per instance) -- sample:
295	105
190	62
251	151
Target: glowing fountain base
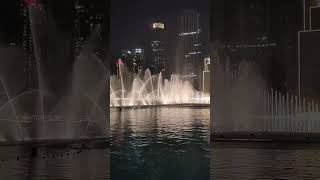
196	102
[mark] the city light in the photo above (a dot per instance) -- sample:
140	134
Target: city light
190	33
158	26
119	62
138	50
30	2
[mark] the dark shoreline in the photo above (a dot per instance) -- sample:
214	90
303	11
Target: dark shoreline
161	105
74	143
265	137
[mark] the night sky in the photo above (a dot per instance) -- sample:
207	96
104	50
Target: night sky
10	21
130	19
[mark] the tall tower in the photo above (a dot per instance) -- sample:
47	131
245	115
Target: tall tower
138	58
158	48
206	76
189	45
88	16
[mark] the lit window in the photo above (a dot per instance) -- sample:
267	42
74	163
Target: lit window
158	26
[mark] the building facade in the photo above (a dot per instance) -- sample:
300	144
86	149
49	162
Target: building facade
189	46
279	36
264	32
206	76
158	45
308	53
138	61
89	16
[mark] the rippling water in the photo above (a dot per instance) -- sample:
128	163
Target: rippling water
265	161
160	143
58	163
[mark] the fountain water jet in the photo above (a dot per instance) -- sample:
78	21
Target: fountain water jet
76	103
152	90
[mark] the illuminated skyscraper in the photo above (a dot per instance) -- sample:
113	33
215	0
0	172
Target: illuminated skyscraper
127	59
138	60
189	45
206	76
280	37
89	17
158	48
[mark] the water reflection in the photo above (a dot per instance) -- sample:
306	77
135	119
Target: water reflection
160	143
65	163
264	161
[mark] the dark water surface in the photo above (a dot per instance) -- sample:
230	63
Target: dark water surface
160	143
54	163
265	161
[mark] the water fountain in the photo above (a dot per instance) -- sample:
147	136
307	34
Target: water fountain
243	105
70	101
152	90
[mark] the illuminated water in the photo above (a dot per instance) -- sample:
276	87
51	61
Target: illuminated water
160	143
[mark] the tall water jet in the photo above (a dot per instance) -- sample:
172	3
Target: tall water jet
70	100
148	89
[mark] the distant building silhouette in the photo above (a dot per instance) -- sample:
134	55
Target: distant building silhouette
206	76
279	36
260	31
126	59
138	60
88	15
132	59
308	51
189	46
158	45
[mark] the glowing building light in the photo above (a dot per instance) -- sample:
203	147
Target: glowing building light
190	33
138	50
30	2
119	62
158	26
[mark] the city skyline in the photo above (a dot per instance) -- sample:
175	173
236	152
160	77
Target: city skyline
159	89
136	30
277	36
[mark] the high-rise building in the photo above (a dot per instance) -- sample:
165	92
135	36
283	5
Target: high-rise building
89	17
158	45
132	60
261	31
206	76
127	59
54	33
308	53
279	36
138	60
189	46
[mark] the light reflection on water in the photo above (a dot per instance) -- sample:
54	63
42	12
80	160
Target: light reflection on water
160	143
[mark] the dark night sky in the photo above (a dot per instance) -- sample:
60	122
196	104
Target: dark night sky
130	19
9	19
